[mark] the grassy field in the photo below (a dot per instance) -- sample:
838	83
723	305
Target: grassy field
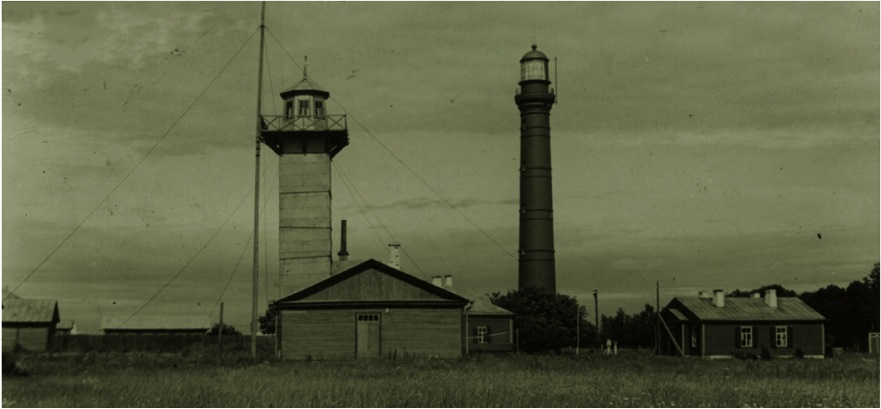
628	380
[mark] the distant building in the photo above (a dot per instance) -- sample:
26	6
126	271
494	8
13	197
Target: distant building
155	325
29	323
712	326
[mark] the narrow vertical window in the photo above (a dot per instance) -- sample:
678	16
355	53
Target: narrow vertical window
694	337
781	337
481	335
303	108
319	109
288	109
746	337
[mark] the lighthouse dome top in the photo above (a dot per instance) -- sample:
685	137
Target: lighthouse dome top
534	55
305	87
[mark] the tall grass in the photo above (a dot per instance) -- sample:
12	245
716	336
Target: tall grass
629	380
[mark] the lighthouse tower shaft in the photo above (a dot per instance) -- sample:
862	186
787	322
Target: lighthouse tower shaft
534	100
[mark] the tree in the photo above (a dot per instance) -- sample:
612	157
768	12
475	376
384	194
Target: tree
546	322
267	321
851	313
631	331
227	330
781	291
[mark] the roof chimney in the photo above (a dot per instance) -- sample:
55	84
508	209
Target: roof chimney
437	280
771	298
343	254
719	298
705	294
448	281
394	255
756	295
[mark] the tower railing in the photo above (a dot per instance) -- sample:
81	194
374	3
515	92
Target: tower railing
281	123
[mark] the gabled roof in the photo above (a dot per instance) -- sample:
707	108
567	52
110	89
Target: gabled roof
748	309
333	290
23	310
158	323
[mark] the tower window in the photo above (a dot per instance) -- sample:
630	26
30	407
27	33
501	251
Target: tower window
288	109
319	109
303	108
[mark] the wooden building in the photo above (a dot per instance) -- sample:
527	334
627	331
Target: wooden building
713	326
490	327
29	323
155	325
370	310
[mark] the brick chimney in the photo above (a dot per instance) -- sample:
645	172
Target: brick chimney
394	255
771	298
719	298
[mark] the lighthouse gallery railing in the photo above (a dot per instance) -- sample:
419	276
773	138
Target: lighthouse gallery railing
283	123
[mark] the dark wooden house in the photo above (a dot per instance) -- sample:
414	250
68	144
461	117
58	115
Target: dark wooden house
490	327
29	323
713	326
369	310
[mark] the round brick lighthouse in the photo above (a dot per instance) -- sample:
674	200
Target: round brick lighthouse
534	99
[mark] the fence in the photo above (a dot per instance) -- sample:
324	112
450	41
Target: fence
161	343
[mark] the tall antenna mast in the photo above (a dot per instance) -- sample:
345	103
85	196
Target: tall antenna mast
257	184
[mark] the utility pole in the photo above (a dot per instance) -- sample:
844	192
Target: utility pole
577	328
657	317
220	332
257	186
596	313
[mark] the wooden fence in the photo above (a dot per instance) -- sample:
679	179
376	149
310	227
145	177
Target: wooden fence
162	343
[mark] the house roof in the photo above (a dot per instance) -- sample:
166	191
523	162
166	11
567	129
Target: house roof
158	323
480	305
305	86
311	294
749	309
24	310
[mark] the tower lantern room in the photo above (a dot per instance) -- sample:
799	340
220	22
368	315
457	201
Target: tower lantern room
305	100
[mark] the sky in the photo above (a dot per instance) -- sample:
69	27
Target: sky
694	145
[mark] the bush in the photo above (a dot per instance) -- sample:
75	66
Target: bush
10	365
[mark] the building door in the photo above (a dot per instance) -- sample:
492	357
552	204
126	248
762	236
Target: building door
368	335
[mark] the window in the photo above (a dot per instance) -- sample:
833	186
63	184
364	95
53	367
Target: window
481	335
781	336
694	337
288	109
746	337
303	108
368	317
319	109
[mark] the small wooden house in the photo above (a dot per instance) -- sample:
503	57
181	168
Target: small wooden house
29	323
490	327
713	326
369	310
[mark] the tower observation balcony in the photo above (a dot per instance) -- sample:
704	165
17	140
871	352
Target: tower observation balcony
305	134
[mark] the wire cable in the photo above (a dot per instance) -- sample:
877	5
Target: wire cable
132	170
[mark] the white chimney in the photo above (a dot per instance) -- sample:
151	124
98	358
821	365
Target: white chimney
719	298
756	295
704	294
394	255
437	280
448	281
771	298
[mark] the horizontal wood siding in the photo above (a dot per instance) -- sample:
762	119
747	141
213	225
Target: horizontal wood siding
31	339
722	339
422	332
372	285
318	334
332	334
499	338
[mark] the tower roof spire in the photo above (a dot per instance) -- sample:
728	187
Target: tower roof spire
305	66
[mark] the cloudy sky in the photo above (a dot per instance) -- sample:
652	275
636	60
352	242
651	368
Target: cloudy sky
701	145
